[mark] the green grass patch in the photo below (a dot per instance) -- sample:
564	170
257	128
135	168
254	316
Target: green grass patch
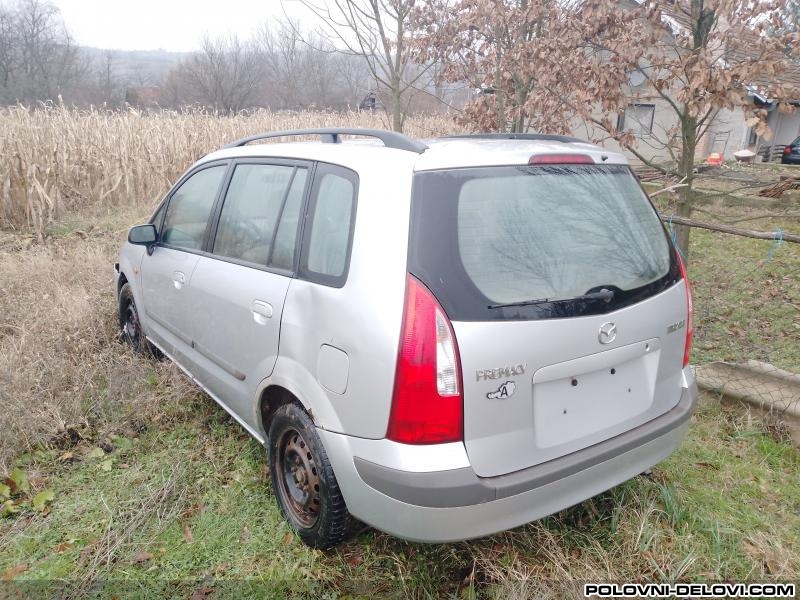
746	299
191	503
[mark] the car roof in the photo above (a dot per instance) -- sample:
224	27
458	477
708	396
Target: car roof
450	153
441	153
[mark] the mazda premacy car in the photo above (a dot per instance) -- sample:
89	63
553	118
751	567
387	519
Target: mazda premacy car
442	339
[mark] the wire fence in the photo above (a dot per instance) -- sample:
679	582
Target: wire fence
744	265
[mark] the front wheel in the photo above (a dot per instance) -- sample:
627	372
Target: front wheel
303	479
130	325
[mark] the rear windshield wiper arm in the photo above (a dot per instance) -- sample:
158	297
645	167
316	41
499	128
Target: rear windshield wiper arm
605	295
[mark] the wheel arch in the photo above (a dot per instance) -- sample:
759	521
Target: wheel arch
271	399
290	381
121	281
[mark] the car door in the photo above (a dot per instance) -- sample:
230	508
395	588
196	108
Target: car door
166	272
239	287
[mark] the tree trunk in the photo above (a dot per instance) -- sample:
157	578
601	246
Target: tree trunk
501	100
686	173
397	107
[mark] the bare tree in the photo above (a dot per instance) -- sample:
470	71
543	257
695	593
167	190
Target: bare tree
225	75
284	54
107	77
306	70
38	57
377	31
354	77
8	53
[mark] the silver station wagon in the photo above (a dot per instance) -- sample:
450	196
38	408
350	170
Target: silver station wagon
442	339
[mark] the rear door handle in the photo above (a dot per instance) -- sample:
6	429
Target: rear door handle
262	311
178	279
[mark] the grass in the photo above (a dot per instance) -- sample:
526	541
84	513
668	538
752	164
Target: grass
746	291
188	501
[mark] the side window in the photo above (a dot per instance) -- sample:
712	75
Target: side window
327	244
189	209
159	217
251	211
286	237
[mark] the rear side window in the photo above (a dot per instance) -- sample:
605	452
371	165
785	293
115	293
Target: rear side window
505	235
190	207
331	218
251	211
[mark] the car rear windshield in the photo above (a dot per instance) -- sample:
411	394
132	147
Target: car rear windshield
531	242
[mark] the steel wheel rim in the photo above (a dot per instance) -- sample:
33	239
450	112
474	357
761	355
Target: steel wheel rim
299	478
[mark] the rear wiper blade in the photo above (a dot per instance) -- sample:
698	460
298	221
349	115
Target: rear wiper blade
605	295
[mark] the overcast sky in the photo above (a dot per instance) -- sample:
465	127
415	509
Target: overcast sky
174	25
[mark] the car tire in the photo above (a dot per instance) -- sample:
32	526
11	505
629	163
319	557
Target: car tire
302	477
130	325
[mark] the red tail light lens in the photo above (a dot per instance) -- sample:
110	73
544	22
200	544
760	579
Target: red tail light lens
427	405
561	159
787	150
687	350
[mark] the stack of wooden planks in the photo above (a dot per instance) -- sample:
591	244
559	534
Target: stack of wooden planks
777	189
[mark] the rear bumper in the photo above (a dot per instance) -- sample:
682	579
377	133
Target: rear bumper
448	504
791	159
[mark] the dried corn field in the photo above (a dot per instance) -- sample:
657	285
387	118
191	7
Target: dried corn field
56	160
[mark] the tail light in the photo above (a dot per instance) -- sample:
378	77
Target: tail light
427	405
787	150
687	350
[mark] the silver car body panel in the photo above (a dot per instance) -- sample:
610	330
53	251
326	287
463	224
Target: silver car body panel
446	524
236	325
568	398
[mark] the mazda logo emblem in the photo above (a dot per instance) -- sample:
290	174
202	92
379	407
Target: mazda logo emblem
608	333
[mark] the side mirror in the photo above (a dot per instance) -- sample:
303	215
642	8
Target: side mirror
142	235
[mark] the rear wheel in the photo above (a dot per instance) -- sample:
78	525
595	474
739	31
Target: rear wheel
304	483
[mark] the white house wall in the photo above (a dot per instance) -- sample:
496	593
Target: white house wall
785	127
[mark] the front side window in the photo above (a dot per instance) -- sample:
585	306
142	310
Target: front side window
190	207
283	250
252	210
329	239
158	217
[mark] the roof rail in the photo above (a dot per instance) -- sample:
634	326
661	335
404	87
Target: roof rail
332	135
519	136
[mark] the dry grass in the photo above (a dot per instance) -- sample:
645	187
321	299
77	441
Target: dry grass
62	372
55	160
